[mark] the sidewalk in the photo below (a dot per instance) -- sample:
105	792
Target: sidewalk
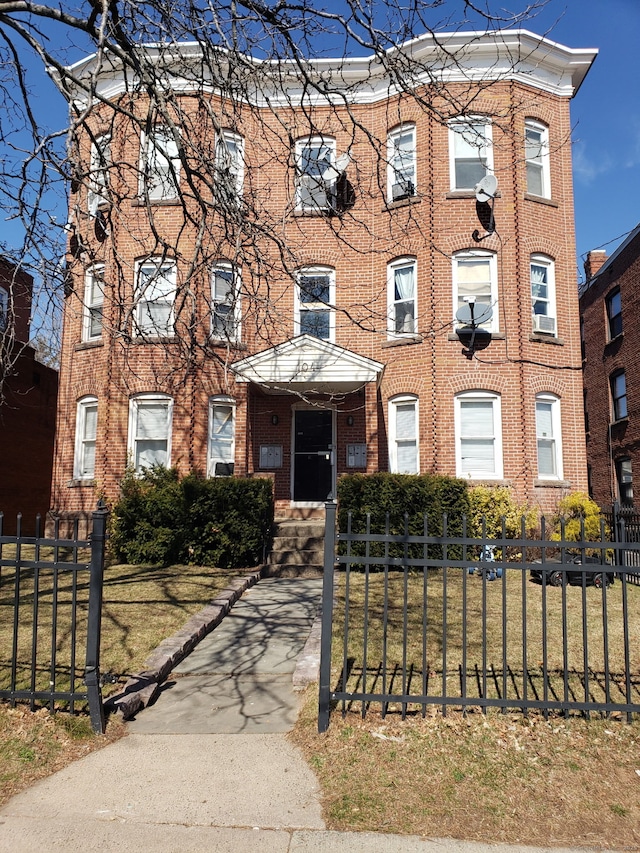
208	767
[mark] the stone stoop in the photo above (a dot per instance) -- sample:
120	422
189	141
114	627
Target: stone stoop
297	550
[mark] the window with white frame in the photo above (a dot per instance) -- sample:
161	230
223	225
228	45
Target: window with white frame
478	426
221	445
536	153
618	384
84	462
614	313
225	302
93	304
160	166
155	298
315	296
624	476
543	295
401	160
315	177
150	419
402	297
4	309
470	151
99	176
230	162
475	281
403	435
548	436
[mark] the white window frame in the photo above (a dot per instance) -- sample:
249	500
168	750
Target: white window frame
160	278
4	309
230	161
310	182
85	441
401	163
395	299
93	306
468	257
215	446
301	307
537	157
463	468
229	318
406	402
135	405
547	302
159	165
554	441
613	303
464	137
619	392
99	177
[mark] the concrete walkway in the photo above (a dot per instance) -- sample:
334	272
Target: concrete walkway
208	767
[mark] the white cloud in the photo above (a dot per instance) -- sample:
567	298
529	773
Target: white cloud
586	167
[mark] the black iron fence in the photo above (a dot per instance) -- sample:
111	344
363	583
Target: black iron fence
50	618
413	622
624	523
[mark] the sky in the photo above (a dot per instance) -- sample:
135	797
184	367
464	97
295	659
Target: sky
605	114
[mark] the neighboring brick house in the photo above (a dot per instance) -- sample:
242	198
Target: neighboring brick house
336	350
610	320
27	409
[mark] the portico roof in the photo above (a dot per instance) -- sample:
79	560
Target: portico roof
307	364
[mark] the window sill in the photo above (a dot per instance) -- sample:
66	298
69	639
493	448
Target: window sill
79	484
552	484
155	202
403	202
619	422
540	199
402	340
316	213
470	193
495	336
618	339
220	343
546	339
88	345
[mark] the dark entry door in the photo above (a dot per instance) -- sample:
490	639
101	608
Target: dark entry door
313	455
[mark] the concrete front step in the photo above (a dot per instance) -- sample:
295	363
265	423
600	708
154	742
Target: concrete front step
297	550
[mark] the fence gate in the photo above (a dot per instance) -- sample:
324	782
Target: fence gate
50	618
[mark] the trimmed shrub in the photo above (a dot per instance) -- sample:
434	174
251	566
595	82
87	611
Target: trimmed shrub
493	503
582	519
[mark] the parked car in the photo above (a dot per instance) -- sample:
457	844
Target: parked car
557	576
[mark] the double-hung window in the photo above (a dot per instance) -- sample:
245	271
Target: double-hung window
548	437
225	302
403	435
155	298
84	463
401	159
221	446
150	419
470	147
543	302
402	297
4	309
536	153
160	167
478	424
315	174
93	304
99	178
614	313
618	384
475	281
230	163
624	476
315	296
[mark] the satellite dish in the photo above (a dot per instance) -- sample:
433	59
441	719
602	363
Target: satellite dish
342	162
487	188
474	313
334	170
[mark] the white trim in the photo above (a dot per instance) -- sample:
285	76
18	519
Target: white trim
221	402
307	182
99	173
230	160
467	132
410	324
538	164
320	307
161	276
159	157
470	255
235	315
463	468
135	404
555	439
408	401
92	307
548	264
82	441
407	174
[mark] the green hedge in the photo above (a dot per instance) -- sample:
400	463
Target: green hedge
163	520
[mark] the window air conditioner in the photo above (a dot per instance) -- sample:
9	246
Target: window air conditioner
404	189
543	323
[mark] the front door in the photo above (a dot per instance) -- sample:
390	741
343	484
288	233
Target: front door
313	455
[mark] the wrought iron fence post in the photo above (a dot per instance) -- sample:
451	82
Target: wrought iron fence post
324	698
92	666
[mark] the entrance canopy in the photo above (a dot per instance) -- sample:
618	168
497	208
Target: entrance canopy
308	364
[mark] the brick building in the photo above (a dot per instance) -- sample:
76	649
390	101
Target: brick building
27	409
327	340
610	320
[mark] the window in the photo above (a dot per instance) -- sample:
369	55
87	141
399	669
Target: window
316	179
614	313
470	152
475	281
315	294
619	395
548	432
536	153
225	303
84	463
221	450
230	163
4	309
478	423
401	289
401	159
403	435
150	417
543	303
624	476
155	297
93	304
99	177
160	167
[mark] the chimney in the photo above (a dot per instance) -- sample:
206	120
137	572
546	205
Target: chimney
595	259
